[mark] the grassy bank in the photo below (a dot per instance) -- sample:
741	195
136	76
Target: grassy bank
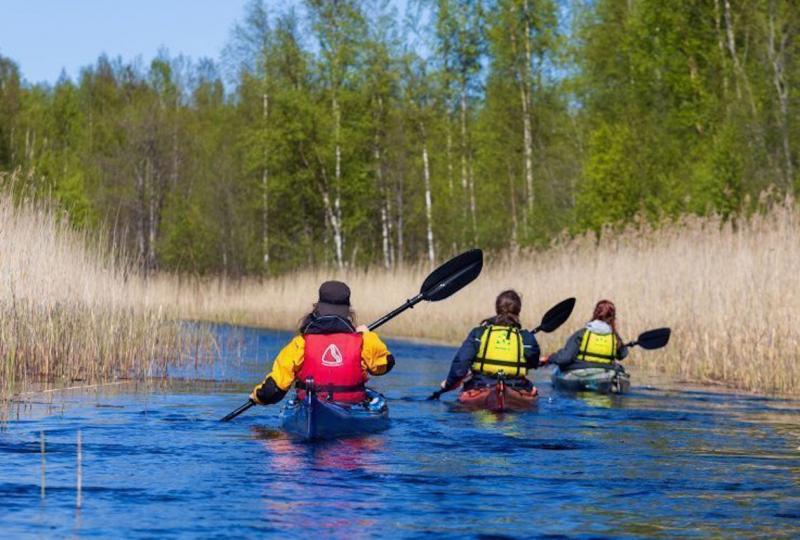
70	311
728	289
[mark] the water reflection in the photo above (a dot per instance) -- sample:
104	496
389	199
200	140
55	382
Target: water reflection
284	451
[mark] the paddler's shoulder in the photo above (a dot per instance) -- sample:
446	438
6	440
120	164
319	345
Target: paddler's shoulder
372	339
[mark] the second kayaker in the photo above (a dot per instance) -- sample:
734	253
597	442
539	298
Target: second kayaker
597	345
329	349
499	346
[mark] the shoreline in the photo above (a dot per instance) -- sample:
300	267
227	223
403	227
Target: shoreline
644	377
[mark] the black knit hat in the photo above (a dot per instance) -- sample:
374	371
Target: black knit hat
334	299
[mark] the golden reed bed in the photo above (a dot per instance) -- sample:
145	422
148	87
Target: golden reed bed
71	313
728	289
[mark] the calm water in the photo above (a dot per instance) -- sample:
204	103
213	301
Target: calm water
159	464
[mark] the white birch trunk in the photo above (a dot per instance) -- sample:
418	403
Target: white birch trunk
387	263
777	55
140	222
721	46
265	189
513	206
336	216
466	180
398	193
428	203
737	66
385	232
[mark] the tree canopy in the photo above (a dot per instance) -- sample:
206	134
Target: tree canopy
343	133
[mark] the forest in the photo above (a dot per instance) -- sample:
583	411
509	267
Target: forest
349	134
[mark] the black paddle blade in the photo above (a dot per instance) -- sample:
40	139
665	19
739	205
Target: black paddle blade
557	315
654	339
452	276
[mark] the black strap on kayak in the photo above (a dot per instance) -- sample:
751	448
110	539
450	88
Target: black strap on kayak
510	363
330	388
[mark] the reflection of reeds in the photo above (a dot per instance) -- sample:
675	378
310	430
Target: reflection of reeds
728	290
73	312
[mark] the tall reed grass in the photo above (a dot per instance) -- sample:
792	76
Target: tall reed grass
728	288
71	311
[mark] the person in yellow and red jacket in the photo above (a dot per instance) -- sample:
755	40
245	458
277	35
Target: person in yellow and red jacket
338	356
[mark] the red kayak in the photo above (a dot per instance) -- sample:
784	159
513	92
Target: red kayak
498	398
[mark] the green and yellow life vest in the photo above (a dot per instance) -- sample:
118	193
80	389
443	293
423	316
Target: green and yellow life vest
501	349
598	348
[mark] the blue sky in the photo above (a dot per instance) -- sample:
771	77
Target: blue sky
44	36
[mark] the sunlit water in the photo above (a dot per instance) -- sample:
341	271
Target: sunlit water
159	464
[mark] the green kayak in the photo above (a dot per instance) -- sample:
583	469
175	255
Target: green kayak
603	381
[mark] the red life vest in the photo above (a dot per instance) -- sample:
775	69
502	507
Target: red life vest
334	362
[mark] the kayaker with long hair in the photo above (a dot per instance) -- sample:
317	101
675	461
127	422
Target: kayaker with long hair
499	347
597	345
330	350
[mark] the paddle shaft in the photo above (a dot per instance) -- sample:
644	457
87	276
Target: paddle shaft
240	410
395	312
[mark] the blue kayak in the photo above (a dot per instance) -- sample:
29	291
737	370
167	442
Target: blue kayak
601	380
318	418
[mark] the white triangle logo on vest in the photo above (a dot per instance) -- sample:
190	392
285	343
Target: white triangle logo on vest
332	357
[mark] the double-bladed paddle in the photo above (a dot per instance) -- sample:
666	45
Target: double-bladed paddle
555	317
652	339
443	282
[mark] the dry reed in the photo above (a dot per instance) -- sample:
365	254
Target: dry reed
71	311
728	290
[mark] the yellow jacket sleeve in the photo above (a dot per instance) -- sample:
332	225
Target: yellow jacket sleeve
288	363
374	354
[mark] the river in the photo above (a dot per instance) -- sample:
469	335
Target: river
157	463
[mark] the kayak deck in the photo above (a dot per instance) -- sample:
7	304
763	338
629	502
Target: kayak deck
498	398
603	381
314	418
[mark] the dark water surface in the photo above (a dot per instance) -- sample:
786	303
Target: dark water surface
158	464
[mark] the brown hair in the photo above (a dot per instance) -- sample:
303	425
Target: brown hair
508	306
606	311
306	319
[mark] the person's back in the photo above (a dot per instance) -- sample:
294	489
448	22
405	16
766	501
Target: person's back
330	351
498	347
332	360
597	345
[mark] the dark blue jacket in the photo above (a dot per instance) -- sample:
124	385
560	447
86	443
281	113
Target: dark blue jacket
469	351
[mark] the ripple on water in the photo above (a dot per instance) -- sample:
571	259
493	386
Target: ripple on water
652	463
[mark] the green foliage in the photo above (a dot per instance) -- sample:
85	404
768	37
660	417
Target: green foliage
308	149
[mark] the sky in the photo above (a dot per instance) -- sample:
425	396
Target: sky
45	36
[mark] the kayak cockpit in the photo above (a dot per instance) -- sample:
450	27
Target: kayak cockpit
316	417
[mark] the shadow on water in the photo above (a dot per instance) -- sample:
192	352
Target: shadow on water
656	462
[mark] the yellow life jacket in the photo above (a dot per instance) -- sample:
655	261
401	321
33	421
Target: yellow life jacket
501	349
598	348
